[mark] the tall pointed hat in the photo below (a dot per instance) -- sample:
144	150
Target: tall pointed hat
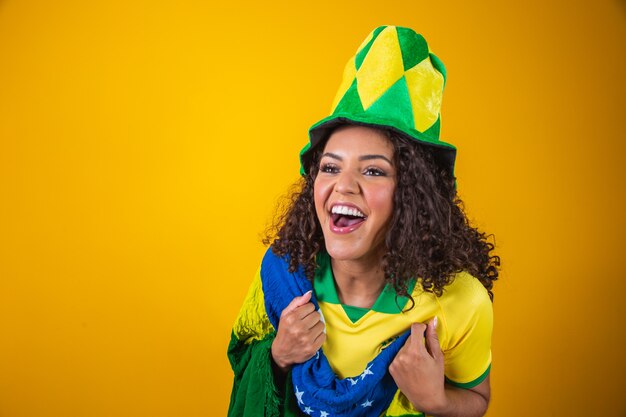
395	82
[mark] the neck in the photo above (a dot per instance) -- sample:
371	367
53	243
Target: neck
359	283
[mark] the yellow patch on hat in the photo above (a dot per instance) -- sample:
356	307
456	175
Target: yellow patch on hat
348	78
381	68
425	85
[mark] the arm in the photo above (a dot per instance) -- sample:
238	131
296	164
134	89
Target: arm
419	373
463	402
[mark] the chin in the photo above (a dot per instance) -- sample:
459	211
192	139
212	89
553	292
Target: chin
341	254
344	251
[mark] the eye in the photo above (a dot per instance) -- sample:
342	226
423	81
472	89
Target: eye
329	168
375	172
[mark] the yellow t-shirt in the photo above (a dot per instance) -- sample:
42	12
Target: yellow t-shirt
355	335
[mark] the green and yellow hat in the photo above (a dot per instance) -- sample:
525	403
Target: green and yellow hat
392	81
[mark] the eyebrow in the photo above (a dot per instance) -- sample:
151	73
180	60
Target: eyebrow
361	158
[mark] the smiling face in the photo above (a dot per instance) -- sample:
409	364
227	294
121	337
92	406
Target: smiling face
354	191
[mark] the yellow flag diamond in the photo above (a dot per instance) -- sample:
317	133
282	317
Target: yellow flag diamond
348	77
381	68
425	85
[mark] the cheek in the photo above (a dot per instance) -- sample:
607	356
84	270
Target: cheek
320	194
383	201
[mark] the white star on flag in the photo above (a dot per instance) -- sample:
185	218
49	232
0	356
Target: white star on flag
367	403
323	414
366	372
353	381
299	395
308	410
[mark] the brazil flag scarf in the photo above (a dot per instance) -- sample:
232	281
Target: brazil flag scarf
313	384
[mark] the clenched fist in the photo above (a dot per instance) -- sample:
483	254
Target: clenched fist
417	369
300	333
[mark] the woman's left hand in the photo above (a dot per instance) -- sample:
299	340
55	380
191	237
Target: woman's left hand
418	369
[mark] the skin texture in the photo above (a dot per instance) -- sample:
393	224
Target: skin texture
356	168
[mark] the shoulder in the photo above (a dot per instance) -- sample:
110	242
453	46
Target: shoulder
467	317
280	285
274	262
466	291
271	257
466	309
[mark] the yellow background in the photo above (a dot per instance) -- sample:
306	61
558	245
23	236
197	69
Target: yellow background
143	146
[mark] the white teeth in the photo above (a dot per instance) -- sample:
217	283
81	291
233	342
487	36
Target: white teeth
338	209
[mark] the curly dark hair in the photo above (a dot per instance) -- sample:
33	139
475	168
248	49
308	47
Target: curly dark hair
429	234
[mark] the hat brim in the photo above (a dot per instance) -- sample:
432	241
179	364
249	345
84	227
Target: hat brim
444	153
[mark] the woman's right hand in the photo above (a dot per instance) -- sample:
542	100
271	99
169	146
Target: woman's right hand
300	333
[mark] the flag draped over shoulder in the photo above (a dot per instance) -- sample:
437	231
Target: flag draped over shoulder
313	384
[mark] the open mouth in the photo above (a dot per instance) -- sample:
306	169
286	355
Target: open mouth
346	217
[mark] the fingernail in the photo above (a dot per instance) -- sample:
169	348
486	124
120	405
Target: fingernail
435	322
309	291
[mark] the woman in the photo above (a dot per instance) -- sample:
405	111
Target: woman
374	297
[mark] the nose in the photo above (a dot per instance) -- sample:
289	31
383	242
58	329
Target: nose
347	183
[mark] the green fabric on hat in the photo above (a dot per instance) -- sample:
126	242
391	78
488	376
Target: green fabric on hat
351	102
433	131
385	106
414	48
439	67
